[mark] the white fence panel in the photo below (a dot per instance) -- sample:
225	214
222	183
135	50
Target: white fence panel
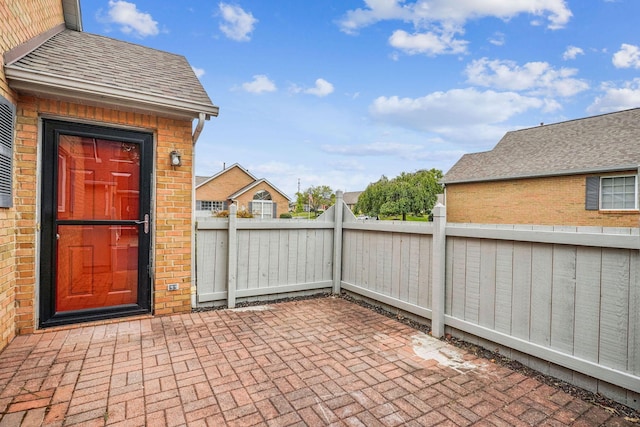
271	257
389	262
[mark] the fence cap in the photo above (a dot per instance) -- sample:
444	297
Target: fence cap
439	210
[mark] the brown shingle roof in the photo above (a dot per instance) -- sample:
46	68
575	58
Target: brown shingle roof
351	197
101	65
593	144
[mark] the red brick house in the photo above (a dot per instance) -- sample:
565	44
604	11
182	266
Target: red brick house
580	172
95	219
235	184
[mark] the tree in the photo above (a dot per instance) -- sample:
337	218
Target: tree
373	197
407	193
316	197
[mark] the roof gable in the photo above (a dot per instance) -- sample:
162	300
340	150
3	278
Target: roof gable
254	185
99	69
594	144
225	171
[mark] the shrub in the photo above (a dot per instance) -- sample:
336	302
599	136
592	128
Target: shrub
286	215
244	214
221	214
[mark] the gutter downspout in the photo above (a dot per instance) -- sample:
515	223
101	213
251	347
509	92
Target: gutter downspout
194	138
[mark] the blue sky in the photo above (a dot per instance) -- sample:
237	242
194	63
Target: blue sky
341	92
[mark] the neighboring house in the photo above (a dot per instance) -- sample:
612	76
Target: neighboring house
581	172
234	184
351	198
95	221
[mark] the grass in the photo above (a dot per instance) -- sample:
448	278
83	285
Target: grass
423	218
304	215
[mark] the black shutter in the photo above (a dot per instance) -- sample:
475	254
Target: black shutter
7	115
225	206
592	197
275	210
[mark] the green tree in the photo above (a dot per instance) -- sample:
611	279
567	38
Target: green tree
299	202
316	197
373	197
405	194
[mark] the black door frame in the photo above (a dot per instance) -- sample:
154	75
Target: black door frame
52	129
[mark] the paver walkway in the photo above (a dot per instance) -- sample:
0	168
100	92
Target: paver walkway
315	362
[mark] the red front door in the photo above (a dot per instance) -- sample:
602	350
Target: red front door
98	221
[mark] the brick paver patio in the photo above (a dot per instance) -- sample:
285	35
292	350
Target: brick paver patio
315	362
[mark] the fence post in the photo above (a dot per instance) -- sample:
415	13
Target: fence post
232	267
337	242
437	270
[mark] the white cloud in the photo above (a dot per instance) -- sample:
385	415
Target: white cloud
443	112
378	10
130	19
372	149
628	56
497	39
238	24
198	71
321	89
572	52
259	84
429	43
347	165
534	77
424	13
617	98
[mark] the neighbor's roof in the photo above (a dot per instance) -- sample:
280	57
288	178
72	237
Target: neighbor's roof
351	197
201	179
101	70
608	142
255	184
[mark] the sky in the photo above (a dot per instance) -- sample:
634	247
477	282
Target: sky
342	92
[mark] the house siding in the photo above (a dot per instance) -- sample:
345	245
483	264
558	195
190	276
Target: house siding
556	200
171	220
19	22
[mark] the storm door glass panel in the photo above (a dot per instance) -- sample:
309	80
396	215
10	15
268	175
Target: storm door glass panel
98	189
97	266
97	179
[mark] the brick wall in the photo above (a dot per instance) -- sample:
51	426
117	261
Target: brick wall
282	204
232	180
171	223
546	201
19	21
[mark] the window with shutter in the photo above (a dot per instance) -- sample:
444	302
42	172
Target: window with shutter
7	119
592	199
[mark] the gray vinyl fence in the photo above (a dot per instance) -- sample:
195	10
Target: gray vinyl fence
563	300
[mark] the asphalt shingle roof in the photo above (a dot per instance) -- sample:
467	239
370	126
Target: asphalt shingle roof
599	143
115	64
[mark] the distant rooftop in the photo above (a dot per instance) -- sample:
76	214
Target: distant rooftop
588	145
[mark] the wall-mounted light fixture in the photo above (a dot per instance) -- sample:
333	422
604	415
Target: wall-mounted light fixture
175	158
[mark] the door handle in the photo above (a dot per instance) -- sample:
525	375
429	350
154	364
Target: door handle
145	222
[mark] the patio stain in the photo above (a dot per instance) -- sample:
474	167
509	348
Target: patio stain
429	348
